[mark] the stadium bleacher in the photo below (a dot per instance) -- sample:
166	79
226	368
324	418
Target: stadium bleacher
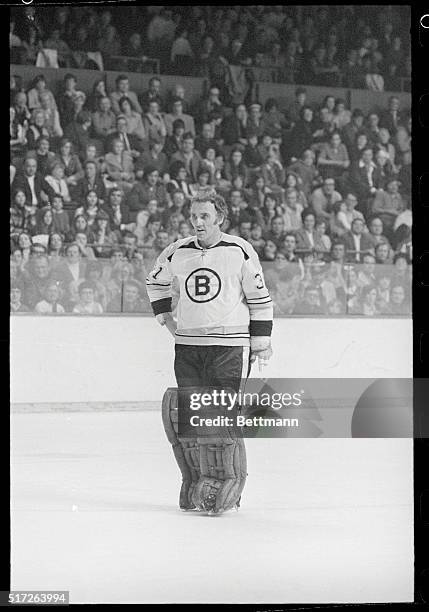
117	117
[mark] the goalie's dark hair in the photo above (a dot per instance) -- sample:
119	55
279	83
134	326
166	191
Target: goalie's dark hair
210	195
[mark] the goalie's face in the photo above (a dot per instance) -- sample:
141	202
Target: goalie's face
206	222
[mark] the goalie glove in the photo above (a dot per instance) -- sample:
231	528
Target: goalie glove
260	348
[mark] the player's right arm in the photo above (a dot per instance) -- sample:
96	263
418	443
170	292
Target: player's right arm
158	286
260	308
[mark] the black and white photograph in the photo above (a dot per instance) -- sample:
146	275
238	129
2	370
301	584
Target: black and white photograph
211	332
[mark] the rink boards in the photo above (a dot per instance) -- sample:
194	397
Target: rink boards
111	361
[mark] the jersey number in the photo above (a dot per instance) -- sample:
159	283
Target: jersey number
259	281
155	274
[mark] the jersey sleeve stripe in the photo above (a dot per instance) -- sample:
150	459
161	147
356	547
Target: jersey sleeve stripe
259	305
264	297
158	284
212	335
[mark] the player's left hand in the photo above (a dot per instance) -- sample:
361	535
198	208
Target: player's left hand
166	318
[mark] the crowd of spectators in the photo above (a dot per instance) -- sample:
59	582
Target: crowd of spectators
350	46
101	183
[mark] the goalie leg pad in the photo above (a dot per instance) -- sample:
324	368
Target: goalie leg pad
186	450
214	469
223	474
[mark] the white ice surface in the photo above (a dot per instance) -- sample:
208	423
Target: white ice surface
322	520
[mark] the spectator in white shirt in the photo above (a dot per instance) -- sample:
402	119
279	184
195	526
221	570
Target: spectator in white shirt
161	29
57	182
321	235
341	116
292	210
376	231
33	96
344	215
177	113
87	303
123	89
181	48
323	198
154	123
404	218
51	303
52	117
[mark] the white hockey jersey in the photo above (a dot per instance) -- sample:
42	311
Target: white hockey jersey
223	297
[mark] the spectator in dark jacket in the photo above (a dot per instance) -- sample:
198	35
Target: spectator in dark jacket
153	93
173	143
117	210
234	128
393	117
206	139
147	189
132	143
189	156
31	183
208	105
65	99
91	181
365	179
78	131
353	128
43	155
357	242
155	158
301	136
36	129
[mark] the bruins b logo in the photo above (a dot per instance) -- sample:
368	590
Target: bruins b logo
203	285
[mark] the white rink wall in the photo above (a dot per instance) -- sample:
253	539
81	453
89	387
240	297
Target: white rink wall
130	359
